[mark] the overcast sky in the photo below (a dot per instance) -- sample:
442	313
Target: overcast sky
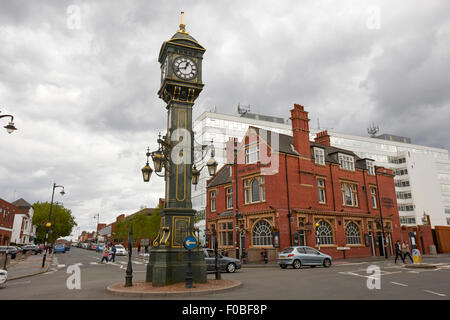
81	80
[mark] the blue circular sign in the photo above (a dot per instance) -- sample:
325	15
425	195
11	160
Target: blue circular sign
190	242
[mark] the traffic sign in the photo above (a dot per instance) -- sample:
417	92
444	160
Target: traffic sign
190	242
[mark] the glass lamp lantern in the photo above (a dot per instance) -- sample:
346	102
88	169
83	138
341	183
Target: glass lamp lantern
158	160
195	175
147	172
212	166
10	127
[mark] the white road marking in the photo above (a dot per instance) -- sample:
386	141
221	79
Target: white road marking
61	265
438	294
399	284
349	264
114	264
413	272
353	274
136	262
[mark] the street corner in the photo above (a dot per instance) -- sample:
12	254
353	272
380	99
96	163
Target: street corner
145	289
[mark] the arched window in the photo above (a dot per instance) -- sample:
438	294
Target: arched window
255	190
352	233
325	233
262	234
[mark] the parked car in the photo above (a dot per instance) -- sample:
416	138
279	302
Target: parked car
12	251
303	256
35	249
3	277
93	246
224	263
120	250
100	247
19	249
59	248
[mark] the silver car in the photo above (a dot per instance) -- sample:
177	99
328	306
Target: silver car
227	264
303	256
120	250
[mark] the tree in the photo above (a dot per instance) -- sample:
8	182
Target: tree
144	226
62	221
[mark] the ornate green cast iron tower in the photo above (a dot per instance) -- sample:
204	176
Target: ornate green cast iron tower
181	83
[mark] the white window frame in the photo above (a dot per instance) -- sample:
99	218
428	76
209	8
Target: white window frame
370	167
321	190
353	194
213	201
319	156
229	191
346	162
373	197
252	154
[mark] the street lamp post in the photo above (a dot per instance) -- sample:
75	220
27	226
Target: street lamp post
129	272
317	235
237	242
384	245
216	255
10	128
48	224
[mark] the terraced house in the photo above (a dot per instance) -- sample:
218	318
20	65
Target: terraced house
308	193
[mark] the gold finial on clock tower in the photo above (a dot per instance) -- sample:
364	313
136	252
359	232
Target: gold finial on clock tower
182	25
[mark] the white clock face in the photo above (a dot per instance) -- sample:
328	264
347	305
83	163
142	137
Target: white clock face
184	68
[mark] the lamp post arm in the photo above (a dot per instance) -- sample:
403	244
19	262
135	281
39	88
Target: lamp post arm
7	115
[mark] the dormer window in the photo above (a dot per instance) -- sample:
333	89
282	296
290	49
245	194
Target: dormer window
370	167
252	154
346	162
319	156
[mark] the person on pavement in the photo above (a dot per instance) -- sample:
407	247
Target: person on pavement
398	252
105	253
405	251
113	253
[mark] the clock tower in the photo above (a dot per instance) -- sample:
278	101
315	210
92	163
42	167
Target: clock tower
181	83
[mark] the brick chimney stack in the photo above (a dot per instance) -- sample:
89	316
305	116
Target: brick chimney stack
230	145
322	138
300	130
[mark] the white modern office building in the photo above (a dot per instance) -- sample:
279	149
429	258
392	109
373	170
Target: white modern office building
422	174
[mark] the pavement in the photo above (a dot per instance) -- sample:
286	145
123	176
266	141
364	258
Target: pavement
30	266
342	261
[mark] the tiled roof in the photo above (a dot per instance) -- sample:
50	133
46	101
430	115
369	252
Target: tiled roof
21	203
286	142
222	177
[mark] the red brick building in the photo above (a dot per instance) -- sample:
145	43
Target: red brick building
7	213
296	187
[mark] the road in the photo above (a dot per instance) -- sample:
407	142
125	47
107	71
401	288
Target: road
341	281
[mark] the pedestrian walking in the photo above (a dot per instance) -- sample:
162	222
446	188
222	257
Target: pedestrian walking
105	253
113	253
139	247
405	251
264	255
398	252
